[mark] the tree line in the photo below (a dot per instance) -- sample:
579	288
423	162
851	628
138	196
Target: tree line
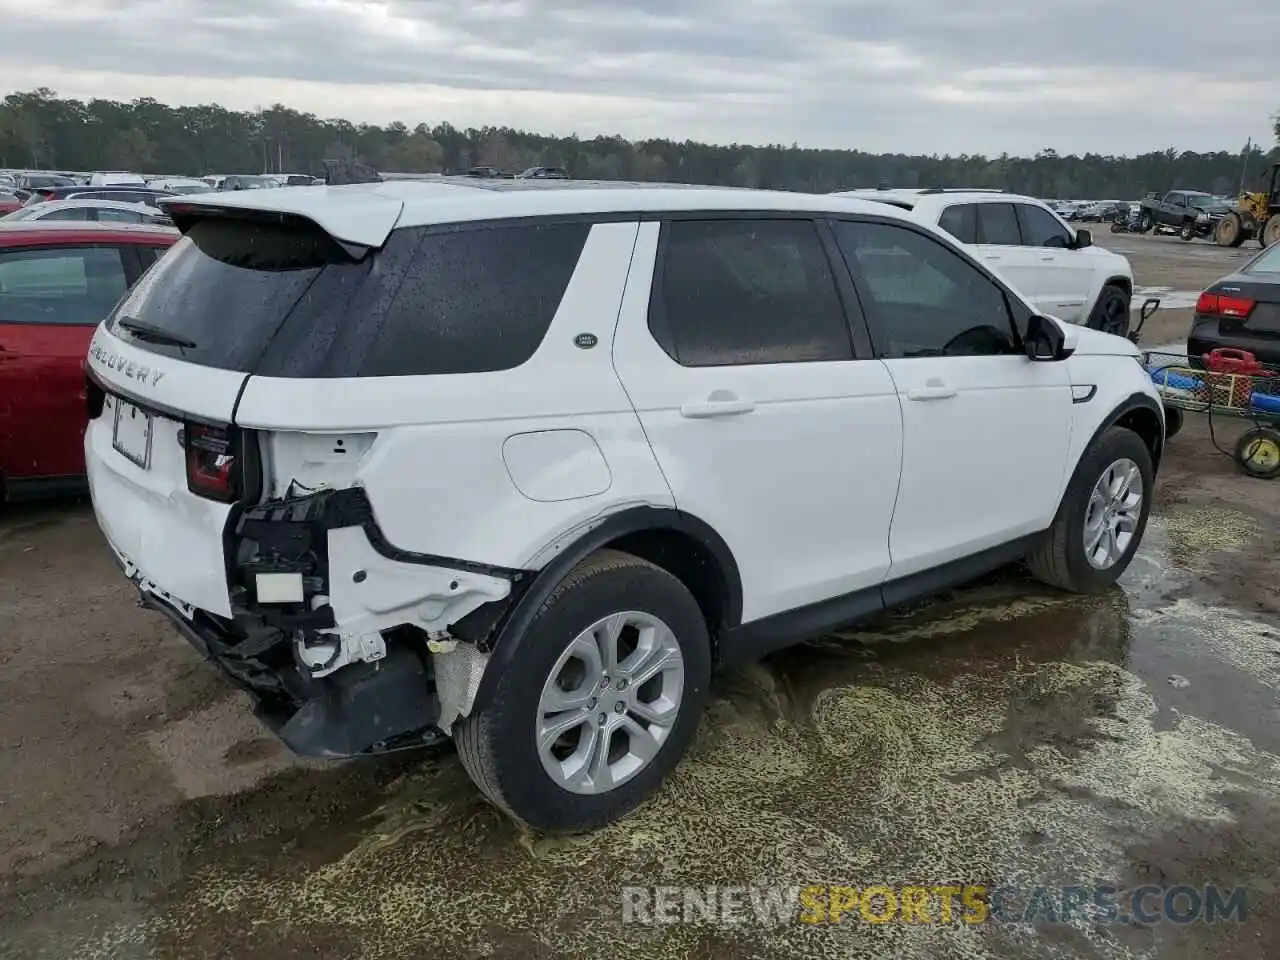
40	130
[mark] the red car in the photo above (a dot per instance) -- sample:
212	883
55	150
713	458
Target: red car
8	202
58	280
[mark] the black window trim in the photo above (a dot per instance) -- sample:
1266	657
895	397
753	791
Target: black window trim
1019	313
856	328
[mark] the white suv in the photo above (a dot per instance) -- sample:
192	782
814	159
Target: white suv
518	465
1054	266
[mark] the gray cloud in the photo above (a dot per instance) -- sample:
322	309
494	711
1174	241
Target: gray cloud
903	75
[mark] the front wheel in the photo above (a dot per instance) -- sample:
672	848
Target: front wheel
1102	517
601	701
1188	230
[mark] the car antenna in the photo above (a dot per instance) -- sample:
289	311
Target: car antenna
341	172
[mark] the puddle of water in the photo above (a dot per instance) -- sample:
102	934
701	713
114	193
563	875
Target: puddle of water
1170	299
931	747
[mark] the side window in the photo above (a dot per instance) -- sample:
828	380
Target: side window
76	286
111	215
148	255
734	292
998	224
475	300
926	299
961	221
1041	228
67	213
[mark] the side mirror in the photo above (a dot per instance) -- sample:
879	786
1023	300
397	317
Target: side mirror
1044	341
1084	238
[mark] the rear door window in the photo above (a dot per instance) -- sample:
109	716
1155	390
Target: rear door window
998	224
74	286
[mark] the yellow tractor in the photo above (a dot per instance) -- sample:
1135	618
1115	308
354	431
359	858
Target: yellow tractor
1257	215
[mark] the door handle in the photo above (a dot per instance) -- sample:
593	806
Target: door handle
933	389
1048	259
990	256
721	403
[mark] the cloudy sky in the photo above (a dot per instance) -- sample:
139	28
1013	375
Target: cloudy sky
944	76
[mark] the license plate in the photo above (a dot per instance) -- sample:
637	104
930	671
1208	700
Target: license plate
132	437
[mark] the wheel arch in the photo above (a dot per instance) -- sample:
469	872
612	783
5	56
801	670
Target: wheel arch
682	544
1143	415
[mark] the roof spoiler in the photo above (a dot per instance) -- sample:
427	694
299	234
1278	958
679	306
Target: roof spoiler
339	173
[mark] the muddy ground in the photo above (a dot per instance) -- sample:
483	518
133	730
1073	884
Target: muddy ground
1005	733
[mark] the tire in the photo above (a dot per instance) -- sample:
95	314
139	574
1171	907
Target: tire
1258	452
1117	228
1110	312
1270	233
1188	230
1060	559
1145	223
1230	231
498	745
1174	419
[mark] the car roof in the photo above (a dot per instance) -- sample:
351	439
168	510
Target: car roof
366	213
102	202
22	233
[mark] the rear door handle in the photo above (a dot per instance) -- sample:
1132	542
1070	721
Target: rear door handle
721	403
934	389
990	256
1048	259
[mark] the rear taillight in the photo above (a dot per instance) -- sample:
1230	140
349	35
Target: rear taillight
211	462
1217	305
94	398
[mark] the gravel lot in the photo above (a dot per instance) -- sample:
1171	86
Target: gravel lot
1002	733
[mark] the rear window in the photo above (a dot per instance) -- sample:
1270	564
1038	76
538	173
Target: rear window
226	287
287	301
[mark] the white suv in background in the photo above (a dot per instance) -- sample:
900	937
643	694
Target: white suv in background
518	465
1056	267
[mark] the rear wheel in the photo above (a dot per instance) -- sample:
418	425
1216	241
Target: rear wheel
1258	452
601	701
1230	231
1102	516
1111	311
1145	223
1271	232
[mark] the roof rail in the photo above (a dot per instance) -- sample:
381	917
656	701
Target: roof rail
341	172
932	190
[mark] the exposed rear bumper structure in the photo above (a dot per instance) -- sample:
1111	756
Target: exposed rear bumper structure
367	708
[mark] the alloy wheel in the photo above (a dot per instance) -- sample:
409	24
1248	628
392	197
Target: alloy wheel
1113	514
610	702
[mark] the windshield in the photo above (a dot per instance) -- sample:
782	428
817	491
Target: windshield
1209	203
254	183
1268	263
189	188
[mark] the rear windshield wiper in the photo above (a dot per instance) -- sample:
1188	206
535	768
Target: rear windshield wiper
153	334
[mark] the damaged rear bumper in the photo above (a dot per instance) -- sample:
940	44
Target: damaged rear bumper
377	649
366	708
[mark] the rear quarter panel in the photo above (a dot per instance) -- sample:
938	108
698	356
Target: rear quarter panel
436	474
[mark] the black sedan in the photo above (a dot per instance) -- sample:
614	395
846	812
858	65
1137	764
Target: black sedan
1241	311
